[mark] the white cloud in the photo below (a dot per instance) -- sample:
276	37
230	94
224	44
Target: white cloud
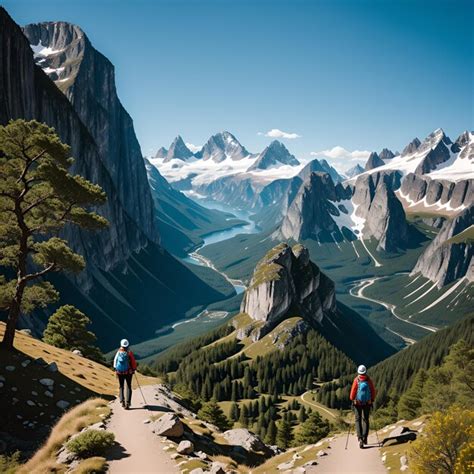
193	148
276	133
341	158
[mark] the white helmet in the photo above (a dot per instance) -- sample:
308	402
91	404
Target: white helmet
362	369
124	343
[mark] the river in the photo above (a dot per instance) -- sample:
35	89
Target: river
214	237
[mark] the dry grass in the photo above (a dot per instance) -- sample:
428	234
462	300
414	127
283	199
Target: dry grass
93	376
85	414
91	465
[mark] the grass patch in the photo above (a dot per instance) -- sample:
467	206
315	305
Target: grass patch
91	443
464	237
85	414
96	464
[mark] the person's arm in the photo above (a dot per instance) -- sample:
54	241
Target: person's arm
372	390
115	360
133	362
353	394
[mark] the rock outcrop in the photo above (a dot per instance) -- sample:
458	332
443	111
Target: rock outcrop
168	425
450	194
449	256
386	154
286	282
384	216
373	162
436	150
276	154
312	212
321	166
245	439
411	147
354	171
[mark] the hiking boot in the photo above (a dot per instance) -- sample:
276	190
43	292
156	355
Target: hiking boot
127	406
361	443
365	440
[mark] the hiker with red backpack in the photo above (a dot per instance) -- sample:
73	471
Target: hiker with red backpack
125	366
362	397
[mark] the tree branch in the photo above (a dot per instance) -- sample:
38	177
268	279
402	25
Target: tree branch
33	276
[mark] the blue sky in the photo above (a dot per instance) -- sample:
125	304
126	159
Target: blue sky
359	74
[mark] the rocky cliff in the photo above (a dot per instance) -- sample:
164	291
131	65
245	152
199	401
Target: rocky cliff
311	214
374	161
321	166
436	150
286	283
449	256
87	78
177	151
384	216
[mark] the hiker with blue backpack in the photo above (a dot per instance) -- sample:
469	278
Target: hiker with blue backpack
125	366
362	397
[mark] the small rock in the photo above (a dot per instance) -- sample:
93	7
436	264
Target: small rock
63	404
10	368
77	352
47	382
217	468
26	363
14	389
35	394
310	463
168	425
40	361
62	385
1	384
19	417
185	447
286	465
403	463
26	332
48	394
296	456
65	456
2	378
197	471
321	453
53	367
202	455
146	421
31	403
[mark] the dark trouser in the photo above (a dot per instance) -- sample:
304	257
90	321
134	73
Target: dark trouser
362	413
122	379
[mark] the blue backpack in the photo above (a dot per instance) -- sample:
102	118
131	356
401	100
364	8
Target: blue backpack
363	392
123	361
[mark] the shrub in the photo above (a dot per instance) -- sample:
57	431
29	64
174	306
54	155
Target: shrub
446	435
91	443
93	465
10	464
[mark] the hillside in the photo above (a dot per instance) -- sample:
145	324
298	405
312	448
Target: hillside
38	382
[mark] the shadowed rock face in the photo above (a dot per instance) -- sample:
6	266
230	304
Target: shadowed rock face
374	161
178	150
321	166
436	148
386	154
384	216
354	171
411	147
87	78
445	261
286	283
311	213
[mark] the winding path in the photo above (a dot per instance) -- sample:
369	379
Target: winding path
138	450
317	405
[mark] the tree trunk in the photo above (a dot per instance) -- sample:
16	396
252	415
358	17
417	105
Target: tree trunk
13	316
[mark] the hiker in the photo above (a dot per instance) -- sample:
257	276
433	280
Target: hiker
362	397
125	365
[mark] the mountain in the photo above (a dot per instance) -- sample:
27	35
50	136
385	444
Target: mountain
449	256
177	150
386	154
276	154
315	209
373	162
436	148
411	147
321	166
161	153
382	213
354	171
222	146
127	269
182	222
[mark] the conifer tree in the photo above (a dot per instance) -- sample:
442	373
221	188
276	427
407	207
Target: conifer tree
312	430
284	434
244	416
67	329
271	433
212	413
38	197
234	412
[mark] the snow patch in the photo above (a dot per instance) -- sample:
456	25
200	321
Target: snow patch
41	51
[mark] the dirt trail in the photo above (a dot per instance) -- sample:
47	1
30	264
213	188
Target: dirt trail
140	450
354	460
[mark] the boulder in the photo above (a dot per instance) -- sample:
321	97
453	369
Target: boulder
25	363
77	352
202	455
244	438
285	465
168	425
322	453
65	456
185	447
10	368
47	382
217	468
40	361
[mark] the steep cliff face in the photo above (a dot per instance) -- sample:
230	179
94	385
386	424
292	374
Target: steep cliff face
286	282
311	214
177	151
384	216
449	256
436	148
374	161
87	78
28	93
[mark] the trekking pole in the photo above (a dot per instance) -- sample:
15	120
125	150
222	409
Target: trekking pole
348	433
141	391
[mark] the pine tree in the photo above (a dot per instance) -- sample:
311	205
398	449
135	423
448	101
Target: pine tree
312	430
212	413
284	434
38	197
67	329
244	416
302	414
234	412
270	436
409	404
